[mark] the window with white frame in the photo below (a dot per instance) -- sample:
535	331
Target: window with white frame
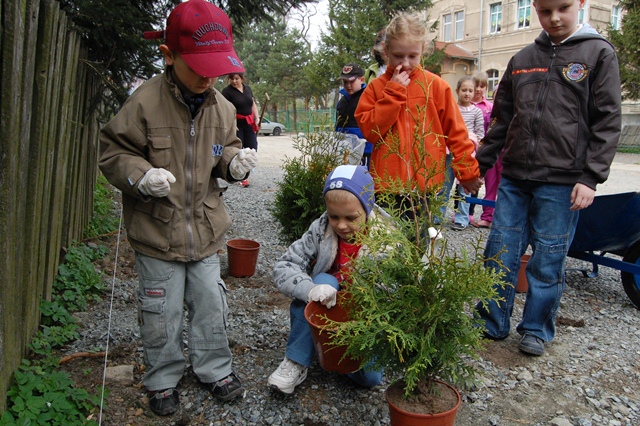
616	12
447	28
493	80
496	18
524	14
459	25
453	26
583	15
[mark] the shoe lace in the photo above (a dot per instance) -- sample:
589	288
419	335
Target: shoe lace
289	368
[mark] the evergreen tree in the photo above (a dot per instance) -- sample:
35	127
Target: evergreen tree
112	31
627	42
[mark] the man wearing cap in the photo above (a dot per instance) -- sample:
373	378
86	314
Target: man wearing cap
165	150
353	85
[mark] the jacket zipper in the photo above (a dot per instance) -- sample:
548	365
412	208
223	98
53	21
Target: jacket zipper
535	124
192	133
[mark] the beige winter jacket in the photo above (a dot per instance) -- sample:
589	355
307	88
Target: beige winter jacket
154	128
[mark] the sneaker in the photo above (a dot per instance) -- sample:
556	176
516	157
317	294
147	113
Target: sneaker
458	227
227	388
531	345
288	375
164	402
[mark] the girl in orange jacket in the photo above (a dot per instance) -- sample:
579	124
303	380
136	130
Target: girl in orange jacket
412	117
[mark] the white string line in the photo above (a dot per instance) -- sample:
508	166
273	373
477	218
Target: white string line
106	351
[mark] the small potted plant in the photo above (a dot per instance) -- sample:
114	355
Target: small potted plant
412	307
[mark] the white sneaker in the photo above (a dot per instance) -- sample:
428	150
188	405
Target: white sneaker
288	375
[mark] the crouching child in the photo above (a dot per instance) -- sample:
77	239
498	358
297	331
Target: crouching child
315	266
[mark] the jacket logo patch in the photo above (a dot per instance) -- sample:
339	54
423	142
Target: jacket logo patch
575	72
216	150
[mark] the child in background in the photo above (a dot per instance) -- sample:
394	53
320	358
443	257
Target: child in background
391	103
472	116
380	65
353	84
492	177
556	121
314	266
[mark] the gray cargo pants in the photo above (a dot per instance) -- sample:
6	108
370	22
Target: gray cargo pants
164	289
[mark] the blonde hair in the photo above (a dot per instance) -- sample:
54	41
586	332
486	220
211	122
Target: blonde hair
340	196
480	77
407	26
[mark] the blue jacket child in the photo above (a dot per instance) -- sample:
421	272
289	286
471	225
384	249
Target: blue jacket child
353	85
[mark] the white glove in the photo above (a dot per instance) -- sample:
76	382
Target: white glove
434	246
156	182
244	161
323	293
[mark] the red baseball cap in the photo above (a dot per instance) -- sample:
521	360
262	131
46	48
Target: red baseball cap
201	33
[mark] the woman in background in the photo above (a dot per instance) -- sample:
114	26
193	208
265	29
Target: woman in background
247	116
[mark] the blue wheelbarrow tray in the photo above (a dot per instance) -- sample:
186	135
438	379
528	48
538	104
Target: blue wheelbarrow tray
611	224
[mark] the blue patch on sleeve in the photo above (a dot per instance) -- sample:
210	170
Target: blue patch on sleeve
216	150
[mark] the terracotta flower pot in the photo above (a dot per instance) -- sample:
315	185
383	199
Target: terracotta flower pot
329	356
523	284
401	417
243	257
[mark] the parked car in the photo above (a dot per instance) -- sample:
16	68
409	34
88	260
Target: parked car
271	128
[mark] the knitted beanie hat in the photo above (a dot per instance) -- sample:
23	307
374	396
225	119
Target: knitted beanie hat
355	179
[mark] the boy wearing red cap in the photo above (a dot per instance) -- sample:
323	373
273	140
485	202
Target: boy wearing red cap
165	150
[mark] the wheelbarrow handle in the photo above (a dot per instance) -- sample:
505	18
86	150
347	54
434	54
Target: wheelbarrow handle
474	200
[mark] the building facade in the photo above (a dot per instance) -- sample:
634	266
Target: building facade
485	34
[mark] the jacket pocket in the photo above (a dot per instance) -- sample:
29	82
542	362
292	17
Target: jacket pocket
153	330
160	151
151	224
218	217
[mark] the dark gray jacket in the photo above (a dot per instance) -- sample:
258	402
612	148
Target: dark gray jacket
557	112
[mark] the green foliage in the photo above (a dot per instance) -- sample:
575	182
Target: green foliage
627	42
44	397
78	281
298	201
274	58
353	26
117	55
412	301
105	219
120	56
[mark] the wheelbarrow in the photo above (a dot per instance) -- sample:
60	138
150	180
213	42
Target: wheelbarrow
610	225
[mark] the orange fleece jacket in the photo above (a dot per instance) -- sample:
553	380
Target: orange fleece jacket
387	108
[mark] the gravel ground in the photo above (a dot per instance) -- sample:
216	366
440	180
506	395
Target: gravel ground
589	374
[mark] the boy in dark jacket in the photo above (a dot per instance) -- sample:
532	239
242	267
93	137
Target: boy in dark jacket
557	120
165	150
353	85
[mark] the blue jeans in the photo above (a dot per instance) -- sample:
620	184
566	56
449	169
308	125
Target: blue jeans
462	214
536	214
445	192
300	346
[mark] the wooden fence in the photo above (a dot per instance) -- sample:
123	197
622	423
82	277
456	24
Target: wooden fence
48	163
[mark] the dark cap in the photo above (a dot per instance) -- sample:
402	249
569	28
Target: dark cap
351	71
